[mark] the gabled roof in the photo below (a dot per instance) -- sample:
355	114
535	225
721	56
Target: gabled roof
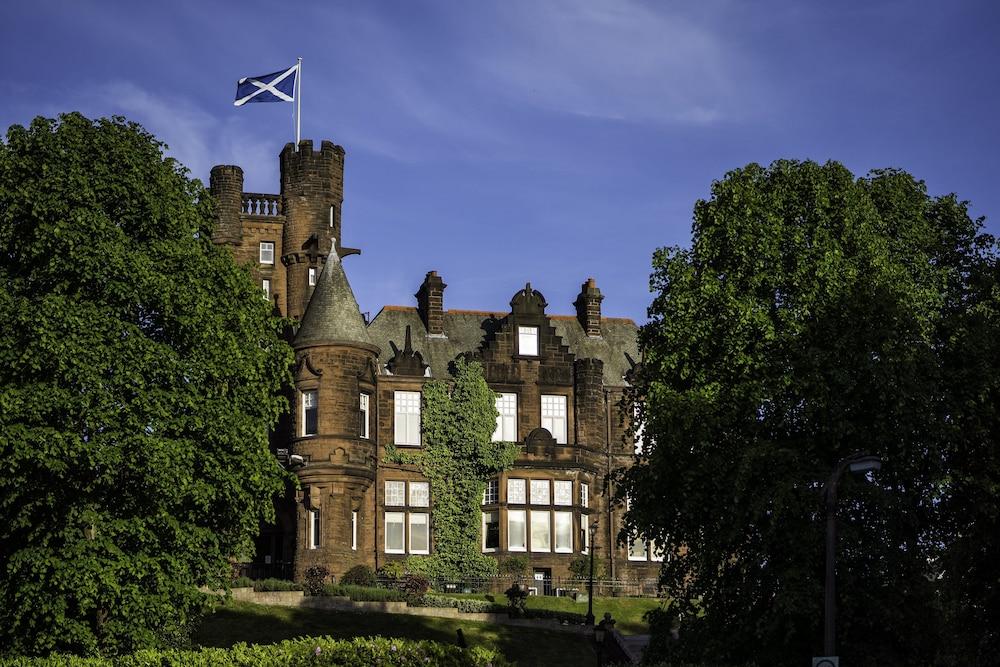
332	315
465	331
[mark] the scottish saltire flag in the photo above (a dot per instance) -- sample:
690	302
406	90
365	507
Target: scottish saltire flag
274	87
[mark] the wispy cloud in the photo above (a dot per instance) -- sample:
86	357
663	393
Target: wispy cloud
620	60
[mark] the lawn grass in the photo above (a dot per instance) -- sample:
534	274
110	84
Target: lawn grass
259	624
627	612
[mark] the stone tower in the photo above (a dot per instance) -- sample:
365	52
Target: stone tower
334	374
312	192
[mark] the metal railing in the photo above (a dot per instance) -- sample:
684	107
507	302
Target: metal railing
556	586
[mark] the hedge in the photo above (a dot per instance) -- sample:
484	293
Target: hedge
466	605
364	593
315	651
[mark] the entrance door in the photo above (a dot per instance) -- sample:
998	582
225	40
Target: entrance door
543	580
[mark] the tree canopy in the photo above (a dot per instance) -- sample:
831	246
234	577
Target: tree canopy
816	315
139	374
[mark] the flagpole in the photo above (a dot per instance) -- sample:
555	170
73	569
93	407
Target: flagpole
298	103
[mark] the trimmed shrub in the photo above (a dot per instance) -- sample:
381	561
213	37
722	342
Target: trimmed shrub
315	577
394	569
464	605
517	599
414	587
579	567
319	651
243	582
364	593
514	565
276	585
359	575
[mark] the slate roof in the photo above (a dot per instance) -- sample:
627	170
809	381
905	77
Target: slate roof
332	315
466	329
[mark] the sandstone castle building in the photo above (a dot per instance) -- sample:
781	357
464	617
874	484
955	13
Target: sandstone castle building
558	378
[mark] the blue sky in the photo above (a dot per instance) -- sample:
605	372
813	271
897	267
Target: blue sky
501	142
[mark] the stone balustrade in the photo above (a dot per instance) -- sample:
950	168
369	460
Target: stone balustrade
255	203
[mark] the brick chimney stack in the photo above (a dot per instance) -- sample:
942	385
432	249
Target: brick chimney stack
588	308
430	303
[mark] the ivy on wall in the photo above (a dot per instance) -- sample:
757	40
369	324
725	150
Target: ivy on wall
458	456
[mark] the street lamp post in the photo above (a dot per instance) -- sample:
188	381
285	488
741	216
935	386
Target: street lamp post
592	529
856	463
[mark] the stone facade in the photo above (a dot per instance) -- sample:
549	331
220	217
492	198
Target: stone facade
559	378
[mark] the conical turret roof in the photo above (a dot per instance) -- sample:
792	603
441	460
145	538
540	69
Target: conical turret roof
332	315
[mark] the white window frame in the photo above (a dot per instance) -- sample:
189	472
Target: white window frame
313	272
584	533
310	400
496	513
584	494
394	516
364	404
354	530
541	492
506	430
491	494
265	252
315	529
554	417
541	518
655	552
265	285
426	526
406	418
395	493
564	546
566	492
527	341
513	483
422	489
524	531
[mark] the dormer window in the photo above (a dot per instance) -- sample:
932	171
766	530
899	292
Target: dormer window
527	341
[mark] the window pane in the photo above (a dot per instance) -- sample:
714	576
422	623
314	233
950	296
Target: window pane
490	492
540	534
539	492
420	494
491	530
266	285
419	534
314	529
407	417
309	413
638	441
527	341
395	494
506	429
563	492
267	252
363	426
584	533
394	532
554	417
515	530
312	275
564	532
354	530
515	491
637	550
585	495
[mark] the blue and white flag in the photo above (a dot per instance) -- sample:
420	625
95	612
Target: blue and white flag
274	87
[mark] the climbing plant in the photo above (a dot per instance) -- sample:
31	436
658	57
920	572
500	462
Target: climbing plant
458	456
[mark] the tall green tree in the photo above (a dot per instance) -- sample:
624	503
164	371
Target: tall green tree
139	375
816	315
